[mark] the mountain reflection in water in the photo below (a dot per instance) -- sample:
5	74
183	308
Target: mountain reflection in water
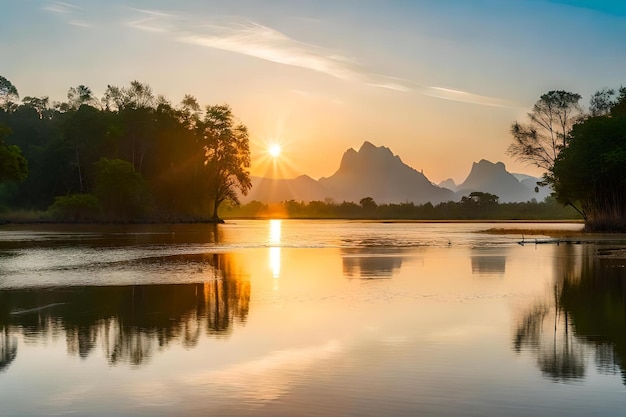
584	317
488	261
370	263
129	323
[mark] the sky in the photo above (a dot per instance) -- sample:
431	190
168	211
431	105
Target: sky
439	82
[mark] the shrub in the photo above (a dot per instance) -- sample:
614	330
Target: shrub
75	208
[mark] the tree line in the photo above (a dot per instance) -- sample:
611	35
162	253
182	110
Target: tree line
128	156
134	156
475	206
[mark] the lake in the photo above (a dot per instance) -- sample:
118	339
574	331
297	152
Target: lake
332	318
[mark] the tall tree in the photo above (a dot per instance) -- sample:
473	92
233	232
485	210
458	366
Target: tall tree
84	130
227	156
40	104
8	92
540	141
591	171
137	95
602	102
190	111
80	95
135	107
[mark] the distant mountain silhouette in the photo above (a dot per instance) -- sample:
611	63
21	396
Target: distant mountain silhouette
449	184
531	184
376	172
522	177
302	188
493	178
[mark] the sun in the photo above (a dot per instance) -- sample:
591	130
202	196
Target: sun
274	150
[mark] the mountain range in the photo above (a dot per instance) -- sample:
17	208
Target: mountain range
493	178
374	171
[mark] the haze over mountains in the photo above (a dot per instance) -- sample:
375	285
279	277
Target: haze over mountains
374	171
493	178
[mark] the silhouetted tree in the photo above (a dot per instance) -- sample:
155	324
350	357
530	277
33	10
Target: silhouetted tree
227	152
602	102
40	104
77	96
481	198
8	92
540	141
591	171
368	203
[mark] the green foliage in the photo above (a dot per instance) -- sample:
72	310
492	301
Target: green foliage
120	189
13	166
189	159
75	208
592	172
585	162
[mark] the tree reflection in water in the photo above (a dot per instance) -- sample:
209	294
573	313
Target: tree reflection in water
8	348
129	323
586	315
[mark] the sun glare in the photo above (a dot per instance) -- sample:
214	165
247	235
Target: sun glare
272	159
274	150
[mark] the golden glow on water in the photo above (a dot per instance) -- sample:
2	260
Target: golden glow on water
275	232
275	261
359	325
266	378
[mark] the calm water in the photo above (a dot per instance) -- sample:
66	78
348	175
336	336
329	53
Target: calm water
286	318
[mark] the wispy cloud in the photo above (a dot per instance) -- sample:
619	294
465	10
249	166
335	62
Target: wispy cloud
61	7
152	21
266	43
252	39
465	97
255	40
80	23
71	13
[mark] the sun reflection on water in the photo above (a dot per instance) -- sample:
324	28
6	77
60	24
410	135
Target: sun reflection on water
275	227
275	231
